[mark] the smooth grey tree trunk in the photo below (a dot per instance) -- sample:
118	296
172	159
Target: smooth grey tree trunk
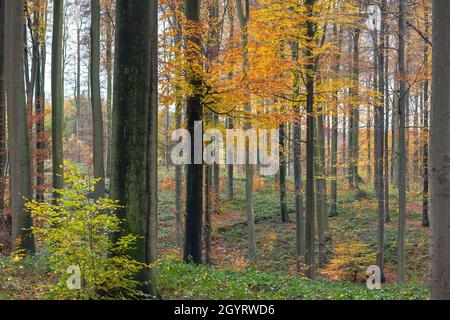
440	154
19	146
353	143
3	148
244	16
380	137
96	103
152	157
335	126
297	150
401	147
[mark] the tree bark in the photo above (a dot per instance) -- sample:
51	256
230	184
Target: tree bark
131	128
354	116
309	223
282	175
244	16
426	135
57	97
402	147
96	103
19	145
380	139
440	154
3	149
194	113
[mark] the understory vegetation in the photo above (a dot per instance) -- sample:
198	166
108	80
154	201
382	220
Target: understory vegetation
231	276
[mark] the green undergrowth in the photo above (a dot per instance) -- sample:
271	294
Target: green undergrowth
186	281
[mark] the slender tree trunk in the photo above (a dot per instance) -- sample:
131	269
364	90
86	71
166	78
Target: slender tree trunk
194	174
244	16
3	149
41	145
354	116
335	125
230	168
78	96
282	175
131	129
97	117
321	207
309	230
152	156
380	139
57	96
19	145
426	135
178	124
109	94
402	148
208	206
440	154
386	124
297	150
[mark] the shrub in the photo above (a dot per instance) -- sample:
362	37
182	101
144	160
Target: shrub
77	232
350	262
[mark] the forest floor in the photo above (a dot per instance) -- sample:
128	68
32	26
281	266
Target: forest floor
351	250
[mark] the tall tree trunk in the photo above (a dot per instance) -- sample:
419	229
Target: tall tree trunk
178	124
440	154
57	96
230	168
152	157
297	149
386	122
3	151
335	125
41	145
194	113
130	140
19	145
282	175
96	103
321	199
309	228
354	116
78	94
380	139
426	135
109	94
402	147
244	16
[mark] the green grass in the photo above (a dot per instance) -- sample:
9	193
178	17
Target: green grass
183	281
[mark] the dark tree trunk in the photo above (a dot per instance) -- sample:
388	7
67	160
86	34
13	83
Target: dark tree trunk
282	175
132	128
426	136
194	171
309	223
57	96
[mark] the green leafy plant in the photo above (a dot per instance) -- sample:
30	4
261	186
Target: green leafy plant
77	233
